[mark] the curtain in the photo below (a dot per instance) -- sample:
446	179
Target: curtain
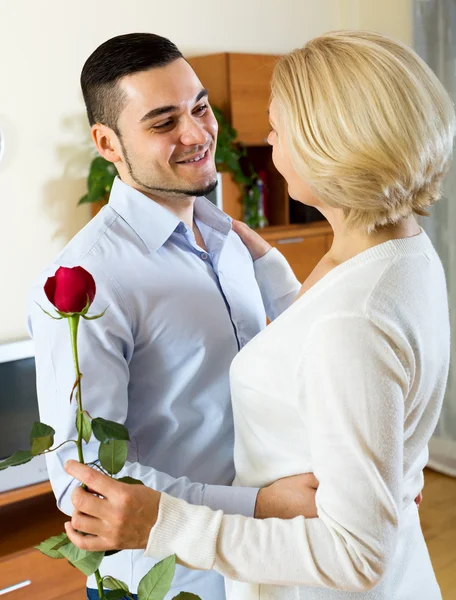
435	41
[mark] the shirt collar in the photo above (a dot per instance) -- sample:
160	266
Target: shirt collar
155	224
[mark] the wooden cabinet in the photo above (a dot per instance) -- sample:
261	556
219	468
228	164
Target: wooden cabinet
28	516
303	247
30	574
238	84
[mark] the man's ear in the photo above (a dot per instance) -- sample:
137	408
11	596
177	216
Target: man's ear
106	142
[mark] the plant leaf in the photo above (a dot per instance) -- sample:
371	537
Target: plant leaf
41	437
83	421
106	431
117	594
100	179
130	480
63	542
87	562
114	584
157	582
186	596
113	455
18	458
51	546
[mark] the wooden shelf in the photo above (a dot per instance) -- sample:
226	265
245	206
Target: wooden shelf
25	493
304	230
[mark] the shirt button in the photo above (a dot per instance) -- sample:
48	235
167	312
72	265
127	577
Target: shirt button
204	256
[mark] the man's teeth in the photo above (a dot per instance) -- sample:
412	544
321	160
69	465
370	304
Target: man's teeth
198	158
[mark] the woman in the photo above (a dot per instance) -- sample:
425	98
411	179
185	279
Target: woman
348	382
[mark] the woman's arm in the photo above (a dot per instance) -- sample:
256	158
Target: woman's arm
276	280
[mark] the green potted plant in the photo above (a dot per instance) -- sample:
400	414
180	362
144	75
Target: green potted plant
230	156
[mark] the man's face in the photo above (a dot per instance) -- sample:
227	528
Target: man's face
168	132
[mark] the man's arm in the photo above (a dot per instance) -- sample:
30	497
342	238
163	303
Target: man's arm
105	349
276	280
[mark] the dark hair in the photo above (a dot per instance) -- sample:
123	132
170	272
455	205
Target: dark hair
120	56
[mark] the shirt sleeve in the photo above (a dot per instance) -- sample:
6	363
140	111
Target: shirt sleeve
351	389
277	282
105	348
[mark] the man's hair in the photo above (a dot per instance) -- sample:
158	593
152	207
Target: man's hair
120	56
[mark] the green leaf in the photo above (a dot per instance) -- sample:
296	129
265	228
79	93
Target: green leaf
106	431
186	596
41	437
63	542
51	546
83	421
113	455
18	458
157	582
100	179
87	562
114	584
116	595
130	480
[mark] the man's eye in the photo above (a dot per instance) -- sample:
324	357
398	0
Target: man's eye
162	125
201	109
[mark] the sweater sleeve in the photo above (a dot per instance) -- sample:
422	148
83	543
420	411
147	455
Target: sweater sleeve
351	388
277	282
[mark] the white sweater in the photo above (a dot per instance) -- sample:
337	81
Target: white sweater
348	384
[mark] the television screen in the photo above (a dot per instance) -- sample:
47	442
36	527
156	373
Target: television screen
18	405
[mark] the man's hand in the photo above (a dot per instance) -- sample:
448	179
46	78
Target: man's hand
121	519
255	244
288	498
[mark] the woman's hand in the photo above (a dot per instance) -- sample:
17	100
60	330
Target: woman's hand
255	244
121	519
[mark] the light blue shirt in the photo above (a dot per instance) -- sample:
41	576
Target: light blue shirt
159	359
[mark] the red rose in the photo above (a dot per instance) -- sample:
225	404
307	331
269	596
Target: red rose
70	289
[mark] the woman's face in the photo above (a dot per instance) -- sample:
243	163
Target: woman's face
297	187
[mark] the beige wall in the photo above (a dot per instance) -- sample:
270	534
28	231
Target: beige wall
43	44
391	17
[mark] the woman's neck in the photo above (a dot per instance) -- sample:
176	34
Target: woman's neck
350	242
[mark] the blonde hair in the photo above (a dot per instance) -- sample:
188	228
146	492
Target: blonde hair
369	126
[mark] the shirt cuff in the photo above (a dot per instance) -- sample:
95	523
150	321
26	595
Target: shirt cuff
188	531
232	500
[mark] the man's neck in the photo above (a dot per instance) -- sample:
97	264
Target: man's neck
183	208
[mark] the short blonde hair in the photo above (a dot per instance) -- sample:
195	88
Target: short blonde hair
369	126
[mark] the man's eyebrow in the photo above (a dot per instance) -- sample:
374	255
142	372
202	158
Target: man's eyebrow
156	112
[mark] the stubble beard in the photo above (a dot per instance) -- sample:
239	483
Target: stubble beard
164	192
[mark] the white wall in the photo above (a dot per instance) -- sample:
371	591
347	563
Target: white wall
43	45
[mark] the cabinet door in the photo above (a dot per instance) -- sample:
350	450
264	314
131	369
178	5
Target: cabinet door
250	76
30	574
303	253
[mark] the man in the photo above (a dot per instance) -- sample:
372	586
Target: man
182	297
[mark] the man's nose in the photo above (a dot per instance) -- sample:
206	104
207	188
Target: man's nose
193	134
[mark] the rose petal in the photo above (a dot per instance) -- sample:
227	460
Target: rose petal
49	288
74	287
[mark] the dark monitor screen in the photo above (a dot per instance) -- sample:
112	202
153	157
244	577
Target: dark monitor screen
18	405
